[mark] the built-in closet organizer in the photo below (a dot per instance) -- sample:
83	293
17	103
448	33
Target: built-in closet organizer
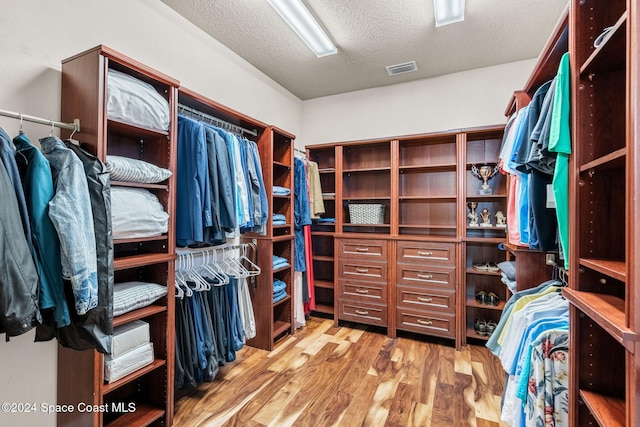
146	395
605	201
323	230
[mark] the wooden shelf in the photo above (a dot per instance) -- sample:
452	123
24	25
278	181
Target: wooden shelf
138	185
614	160
141	240
471	270
427	198
366	170
282	238
428	226
608	411
132	131
139	314
141	260
157	363
324	284
434	167
327	170
610	55
496	240
282	165
615	269
367	198
471	302
324	308
282	197
282	301
322	233
323	258
142	416
280	327
471	333
488	197
283	268
607	311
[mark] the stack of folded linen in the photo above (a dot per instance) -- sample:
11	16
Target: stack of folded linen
279	219
280	262
281	191
279	290
131	349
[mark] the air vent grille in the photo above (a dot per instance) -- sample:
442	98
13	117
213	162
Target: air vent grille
406	67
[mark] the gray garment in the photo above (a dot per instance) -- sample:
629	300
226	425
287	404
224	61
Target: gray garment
540	158
70	212
18	277
254	186
214	234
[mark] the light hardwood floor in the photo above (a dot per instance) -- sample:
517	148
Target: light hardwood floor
349	376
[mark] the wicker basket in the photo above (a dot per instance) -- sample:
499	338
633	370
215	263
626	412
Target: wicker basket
366	214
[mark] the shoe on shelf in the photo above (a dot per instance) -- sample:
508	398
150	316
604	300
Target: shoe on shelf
481	327
483	266
491	266
492	299
491	326
481	297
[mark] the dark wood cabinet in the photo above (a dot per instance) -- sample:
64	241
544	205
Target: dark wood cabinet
80	373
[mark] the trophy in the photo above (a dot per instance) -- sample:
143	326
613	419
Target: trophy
501	220
485	173
473	215
486	218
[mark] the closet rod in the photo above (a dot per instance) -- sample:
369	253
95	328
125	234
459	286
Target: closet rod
300	151
75	126
220	122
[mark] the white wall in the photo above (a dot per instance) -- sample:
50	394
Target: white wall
466	99
35	35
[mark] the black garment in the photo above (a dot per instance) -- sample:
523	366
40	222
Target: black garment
213	235
546	222
19	280
212	356
95	328
220	332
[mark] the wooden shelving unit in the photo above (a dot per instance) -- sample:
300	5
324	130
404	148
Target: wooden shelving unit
80	373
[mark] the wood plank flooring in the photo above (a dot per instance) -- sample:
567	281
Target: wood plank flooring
349	376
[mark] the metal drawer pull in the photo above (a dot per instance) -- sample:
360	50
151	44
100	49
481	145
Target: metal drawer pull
425	322
425	253
362	312
362	270
425	276
362	249
362	291
423	299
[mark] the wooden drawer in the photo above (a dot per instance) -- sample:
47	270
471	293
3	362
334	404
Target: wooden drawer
432	277
358	290
427	253
370	314
363	270
419	298
428	323
363	249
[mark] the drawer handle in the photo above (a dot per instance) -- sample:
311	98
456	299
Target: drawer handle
425	322
362	270
362	312
362	291
423	299
362	249
425	253
425	276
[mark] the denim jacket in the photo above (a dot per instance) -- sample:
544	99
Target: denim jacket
70	212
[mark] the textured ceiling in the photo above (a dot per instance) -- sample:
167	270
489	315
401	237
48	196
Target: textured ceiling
371	34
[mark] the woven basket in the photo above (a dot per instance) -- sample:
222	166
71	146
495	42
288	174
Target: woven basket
366	214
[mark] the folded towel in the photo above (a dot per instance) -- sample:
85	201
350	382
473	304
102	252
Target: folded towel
278	286
279	296
279	217
326	220
281	191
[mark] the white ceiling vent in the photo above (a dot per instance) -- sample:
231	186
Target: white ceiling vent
407	67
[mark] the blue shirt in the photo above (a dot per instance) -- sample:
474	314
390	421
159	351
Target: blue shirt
301	213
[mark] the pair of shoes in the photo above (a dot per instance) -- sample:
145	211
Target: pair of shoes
487	298
491	326
481	327
486	266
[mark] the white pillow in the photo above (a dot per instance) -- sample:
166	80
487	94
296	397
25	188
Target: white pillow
136	212
128	296
133	170
136	102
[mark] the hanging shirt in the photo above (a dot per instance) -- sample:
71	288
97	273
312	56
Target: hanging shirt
300	213
71	214
560	142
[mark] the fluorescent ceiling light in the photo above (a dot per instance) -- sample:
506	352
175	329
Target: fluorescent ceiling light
448	11
295	13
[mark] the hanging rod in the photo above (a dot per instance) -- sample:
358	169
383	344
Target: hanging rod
300	151
220	122
75	126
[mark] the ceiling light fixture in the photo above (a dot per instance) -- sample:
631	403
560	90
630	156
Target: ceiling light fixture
448	11
296	14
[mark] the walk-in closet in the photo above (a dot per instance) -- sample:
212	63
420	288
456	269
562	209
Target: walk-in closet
306	213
